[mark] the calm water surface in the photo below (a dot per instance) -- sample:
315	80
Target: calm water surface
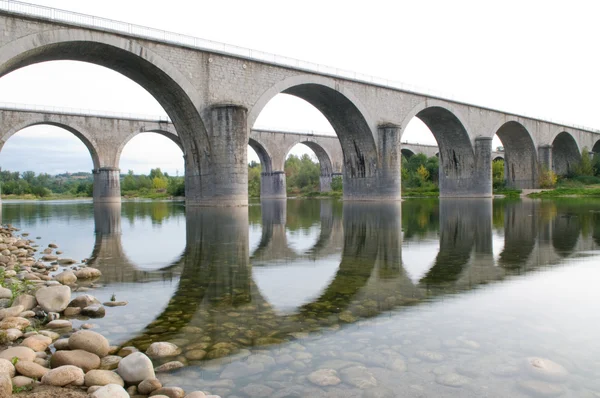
423	298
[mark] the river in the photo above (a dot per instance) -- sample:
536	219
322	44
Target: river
420	298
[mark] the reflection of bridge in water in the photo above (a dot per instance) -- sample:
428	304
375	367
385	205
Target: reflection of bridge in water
217	299
109	256
274	244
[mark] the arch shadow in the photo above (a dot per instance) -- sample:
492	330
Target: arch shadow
565	153
520	156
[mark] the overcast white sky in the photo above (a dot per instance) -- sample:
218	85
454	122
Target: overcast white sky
534	57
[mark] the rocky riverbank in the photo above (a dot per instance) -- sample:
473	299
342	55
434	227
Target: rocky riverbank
42	355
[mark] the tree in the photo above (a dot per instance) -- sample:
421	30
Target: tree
156	173
254	172
498	173
422	173
176	186
160	183
129	182
596	163
29	176
585	168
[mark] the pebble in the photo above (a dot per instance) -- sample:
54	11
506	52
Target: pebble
169	366
80	358
170	392
110	391
83	301
452	380
7	367
11	311
6	386
31	369
94	311
162	350
66	278
99	377
59	324
110	362
430	356
64	375
89	341
149	385
21	381
115	303
358	376
15	322
324	377
37	342
23	353
545	369
135	368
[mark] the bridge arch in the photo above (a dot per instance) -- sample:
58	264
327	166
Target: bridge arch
407	153
520	155
321	153
266	160
163	81
461	172
79	132
349	118
596	147
565	153
164	132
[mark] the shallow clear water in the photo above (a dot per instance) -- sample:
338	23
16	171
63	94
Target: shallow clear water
414	299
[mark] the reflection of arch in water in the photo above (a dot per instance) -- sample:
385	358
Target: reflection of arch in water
371	240
217	280
108	255
274	245
465	232
566	229
595	229
216	274
520	233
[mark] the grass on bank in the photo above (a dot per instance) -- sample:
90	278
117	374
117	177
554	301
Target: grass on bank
562	192
53	196
586	186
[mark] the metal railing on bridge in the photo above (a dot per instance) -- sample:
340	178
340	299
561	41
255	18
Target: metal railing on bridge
105	24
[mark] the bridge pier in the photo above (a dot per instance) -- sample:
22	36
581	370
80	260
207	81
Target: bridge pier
107	185
545	156
468	179
376	176
217	171
273	185
325	183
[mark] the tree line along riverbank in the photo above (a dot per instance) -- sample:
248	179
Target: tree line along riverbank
418	172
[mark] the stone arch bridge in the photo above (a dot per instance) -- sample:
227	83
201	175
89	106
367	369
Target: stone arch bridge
105	136
214	93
